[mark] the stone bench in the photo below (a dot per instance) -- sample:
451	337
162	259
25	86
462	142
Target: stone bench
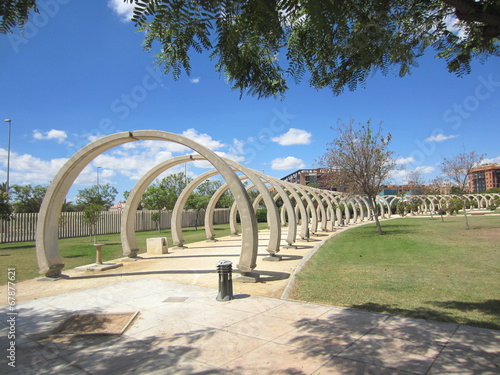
157	245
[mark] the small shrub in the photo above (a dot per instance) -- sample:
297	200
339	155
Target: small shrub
261	215
492	208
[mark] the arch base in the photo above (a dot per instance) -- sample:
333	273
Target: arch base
54	271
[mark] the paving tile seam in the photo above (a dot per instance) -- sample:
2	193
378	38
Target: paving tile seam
56	357
442	349
225	329
222	365
366	363
360	338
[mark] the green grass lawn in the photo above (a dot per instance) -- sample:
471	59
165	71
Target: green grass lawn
420	268
80	251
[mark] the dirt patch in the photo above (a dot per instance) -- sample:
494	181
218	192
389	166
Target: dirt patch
96	324
486	234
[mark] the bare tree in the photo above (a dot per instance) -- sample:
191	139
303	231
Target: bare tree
438	186
414	180
457	169
360	161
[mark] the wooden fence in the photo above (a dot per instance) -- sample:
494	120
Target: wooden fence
22	227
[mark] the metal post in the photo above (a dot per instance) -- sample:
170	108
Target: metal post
7	186
224	269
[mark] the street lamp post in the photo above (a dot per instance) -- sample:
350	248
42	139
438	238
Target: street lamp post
7	186
98	179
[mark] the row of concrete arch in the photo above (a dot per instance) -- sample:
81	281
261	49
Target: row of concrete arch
304	209
433	202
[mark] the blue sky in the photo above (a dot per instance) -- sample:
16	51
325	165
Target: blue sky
80	73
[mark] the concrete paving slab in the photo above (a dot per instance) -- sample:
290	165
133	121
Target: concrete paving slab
343	366
262	326
219	317
487	340
214	347
332	332
461	359
393	353
106	358
296	310
282	359
171	364
417	330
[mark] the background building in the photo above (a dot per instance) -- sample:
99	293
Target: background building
484	178
305	176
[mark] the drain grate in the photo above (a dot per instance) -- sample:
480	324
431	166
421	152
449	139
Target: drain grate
176	299
96	324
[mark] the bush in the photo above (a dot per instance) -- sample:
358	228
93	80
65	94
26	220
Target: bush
492	207
261	215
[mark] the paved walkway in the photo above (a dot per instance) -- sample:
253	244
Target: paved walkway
182	329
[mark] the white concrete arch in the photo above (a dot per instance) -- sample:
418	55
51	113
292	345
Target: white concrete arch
275	228
314	193
47	247
129	243
337	200
310	205
299	205
287	210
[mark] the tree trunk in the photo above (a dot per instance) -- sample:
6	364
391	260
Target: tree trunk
465	213
375	213
94	229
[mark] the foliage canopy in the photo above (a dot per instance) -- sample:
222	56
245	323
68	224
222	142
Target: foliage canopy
101	195
260	44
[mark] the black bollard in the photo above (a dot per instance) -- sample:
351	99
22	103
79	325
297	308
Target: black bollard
224	269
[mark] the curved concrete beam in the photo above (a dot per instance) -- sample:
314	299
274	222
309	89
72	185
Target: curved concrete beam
310	205
127	234
47	247
299	205
314	193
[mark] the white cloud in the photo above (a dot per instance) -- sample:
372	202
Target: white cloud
399	175
204	164
133	164
27	169
154	147
58	135
237	147
231	156
123	9
290	162
425	169
195	80
136	158
407	160
203	139
131	160
452	24
94	137
492	160
293	137
440	137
